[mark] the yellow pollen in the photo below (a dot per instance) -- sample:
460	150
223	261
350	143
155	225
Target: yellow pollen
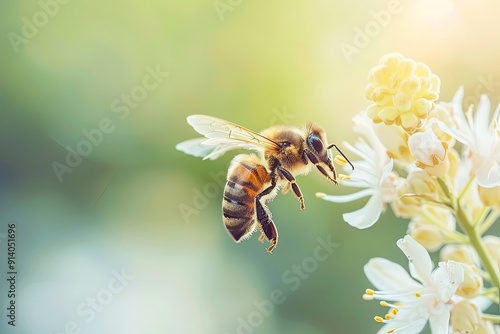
340	160
383	303
418	295
379	319
344	177
368	297
388	316
391	330
394	311
370	292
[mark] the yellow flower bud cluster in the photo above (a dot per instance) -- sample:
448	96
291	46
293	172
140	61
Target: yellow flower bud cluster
403	92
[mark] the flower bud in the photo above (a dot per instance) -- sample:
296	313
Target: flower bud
443	113
418	183
427	235
403	208
472	284
457	253
465	317
429	152
492	244
489	196
428	226
395	141
409	202
486	327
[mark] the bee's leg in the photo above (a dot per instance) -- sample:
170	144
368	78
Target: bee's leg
264	217
267	226
294	185
309	156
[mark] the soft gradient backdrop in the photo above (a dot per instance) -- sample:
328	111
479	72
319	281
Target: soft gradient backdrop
70	68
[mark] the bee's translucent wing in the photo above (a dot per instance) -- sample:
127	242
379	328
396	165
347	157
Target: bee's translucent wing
220	137
219	131
198	148
195	147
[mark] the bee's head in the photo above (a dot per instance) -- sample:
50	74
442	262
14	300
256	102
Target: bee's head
318	152
317	143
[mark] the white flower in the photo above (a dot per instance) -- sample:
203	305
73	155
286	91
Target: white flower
481	135
425	297
373	173
426	148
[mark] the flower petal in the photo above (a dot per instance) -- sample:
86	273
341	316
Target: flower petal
446	280
419	259
456	103
482	120
367	215
386	171
440	321
462	137
349	197
407	327
389	276
488	174
364	125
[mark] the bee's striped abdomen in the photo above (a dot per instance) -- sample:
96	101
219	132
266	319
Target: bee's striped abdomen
245	180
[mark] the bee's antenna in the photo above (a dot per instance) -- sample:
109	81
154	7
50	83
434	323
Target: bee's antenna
338	149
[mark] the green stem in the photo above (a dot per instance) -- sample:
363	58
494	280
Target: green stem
489	221
477	243
456	237
491	317
464	190
481	216
492	294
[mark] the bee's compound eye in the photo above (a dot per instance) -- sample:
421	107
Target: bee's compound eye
316	143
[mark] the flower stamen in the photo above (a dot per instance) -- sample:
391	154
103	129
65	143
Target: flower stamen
340	160
383	303
368	297
344	177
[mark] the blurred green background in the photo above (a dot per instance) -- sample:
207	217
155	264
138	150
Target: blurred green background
70	68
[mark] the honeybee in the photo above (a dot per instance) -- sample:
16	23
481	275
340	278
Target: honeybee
254	180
